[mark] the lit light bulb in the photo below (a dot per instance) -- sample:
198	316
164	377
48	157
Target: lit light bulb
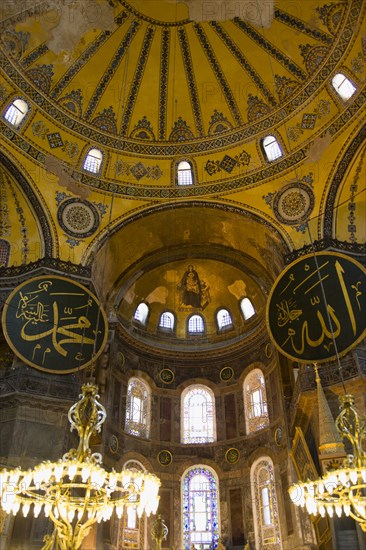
25	509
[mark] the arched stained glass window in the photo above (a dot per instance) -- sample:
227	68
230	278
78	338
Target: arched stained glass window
167	320
138	408
198	414
16	112
255	401
130	530
265	509
93	161
196	325
247	308
141	313
271	148
224	319
184	173
343	86
200	505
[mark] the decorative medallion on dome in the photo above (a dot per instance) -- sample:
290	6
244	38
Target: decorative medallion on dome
232	455
78	218
165	458
331	15
227	163
138	170
226	374
218	124
181	131
293	204
106	121
72	102
257	108
143	130
313	56
166	376
41	75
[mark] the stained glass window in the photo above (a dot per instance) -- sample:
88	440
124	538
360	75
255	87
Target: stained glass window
265	510
93	161
247	308
198	413
255	401
224	319
138	408
129	532
200	508
16	112
141	313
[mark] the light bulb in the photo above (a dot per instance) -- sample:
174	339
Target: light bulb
25	509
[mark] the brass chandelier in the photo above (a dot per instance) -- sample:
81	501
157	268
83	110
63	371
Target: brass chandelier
343	490
76	492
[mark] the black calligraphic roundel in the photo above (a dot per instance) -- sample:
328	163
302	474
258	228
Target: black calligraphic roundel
54	324
317	307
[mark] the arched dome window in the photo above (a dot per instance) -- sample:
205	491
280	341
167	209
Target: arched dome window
265	509
247	308
138	408
167	321
184	173
93	161
16	112
224	319
343	86
196	325
141	313
200	508
271	148
198	415
255	401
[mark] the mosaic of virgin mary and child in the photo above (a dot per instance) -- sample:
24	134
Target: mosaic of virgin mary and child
194	292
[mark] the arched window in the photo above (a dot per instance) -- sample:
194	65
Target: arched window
196	324
255	401
16	112
200	508
184	173
224	319
265	509
344	87
129	531
138	408
271	148
198	415
93	161
141	313
247	308
166	321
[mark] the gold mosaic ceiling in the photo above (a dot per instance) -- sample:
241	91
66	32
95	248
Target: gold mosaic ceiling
143	71
149	87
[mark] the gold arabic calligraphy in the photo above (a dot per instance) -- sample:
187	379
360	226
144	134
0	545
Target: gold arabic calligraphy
325	325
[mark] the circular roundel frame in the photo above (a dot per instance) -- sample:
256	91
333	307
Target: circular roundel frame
316	310
89	209
54	324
